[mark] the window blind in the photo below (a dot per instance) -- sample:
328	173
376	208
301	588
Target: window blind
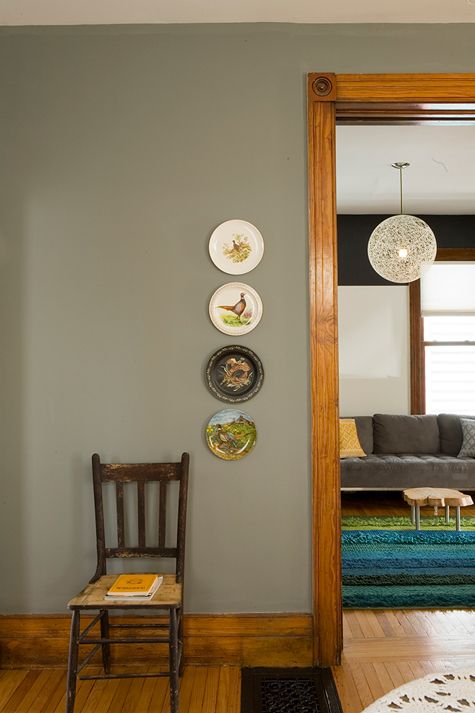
448	289
450	379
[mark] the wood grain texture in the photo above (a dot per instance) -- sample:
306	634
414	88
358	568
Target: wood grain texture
416	337
421	97
404	113
203	690
93	596
127	472
237	639
406	88
436	497
324	381
455	255
383	649
386	648
380	504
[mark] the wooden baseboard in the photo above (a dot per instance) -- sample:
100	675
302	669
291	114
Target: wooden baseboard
33	641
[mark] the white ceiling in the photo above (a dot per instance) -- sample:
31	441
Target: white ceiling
440	179
97	12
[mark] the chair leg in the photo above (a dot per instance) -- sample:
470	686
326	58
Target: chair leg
181	640
173	658
72	662
106	649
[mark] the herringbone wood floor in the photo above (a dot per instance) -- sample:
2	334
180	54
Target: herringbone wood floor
386	648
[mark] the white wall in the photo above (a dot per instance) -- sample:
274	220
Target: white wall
374	350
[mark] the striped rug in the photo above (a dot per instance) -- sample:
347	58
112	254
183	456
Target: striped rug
408	569
392	522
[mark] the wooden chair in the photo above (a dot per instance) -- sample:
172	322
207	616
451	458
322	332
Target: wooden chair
168	599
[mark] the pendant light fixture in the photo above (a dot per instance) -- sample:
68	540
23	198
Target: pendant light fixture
401	246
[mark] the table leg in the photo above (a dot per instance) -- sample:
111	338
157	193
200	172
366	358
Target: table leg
418	517
447	515
457	518
413	514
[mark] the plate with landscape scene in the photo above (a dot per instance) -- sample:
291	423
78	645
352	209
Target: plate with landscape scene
235	308
234	374
231	434
236	247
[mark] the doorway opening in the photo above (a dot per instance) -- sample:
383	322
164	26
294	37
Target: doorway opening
365	100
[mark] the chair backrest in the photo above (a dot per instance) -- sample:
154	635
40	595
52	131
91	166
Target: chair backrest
142	474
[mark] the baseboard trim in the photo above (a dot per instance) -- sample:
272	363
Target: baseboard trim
279	640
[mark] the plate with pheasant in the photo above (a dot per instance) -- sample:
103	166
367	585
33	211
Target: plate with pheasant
236	247
234	374
235	308
231	434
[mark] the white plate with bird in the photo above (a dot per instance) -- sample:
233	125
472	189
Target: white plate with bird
236	247
235	308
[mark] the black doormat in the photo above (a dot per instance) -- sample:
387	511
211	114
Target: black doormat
288	690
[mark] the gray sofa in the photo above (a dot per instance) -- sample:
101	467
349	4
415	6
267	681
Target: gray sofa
408	452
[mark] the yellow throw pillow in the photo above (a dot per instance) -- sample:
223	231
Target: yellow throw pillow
350	446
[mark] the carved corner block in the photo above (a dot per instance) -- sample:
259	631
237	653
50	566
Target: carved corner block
322	86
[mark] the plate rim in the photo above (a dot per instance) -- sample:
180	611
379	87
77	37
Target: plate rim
245	329
260	241
229	398
240	457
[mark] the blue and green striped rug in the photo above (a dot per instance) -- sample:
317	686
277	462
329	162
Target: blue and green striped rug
395	522
408	569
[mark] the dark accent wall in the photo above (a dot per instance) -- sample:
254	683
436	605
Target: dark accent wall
451	231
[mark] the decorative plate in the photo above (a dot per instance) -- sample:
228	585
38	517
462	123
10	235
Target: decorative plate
236	247
234	374
231	434
235	308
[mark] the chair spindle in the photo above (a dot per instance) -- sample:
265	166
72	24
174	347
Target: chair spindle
119	497
141	511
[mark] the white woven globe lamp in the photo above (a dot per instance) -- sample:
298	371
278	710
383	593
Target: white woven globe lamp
401	246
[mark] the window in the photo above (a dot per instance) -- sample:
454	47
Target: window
449	355
444	380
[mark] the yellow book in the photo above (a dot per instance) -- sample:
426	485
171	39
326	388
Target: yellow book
135	585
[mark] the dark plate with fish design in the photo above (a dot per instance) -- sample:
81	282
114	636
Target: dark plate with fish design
234	374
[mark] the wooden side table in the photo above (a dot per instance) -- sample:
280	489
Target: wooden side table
436	497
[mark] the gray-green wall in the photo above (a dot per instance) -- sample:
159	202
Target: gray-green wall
120	150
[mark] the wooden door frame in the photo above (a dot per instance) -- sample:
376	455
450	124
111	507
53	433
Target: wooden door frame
348	98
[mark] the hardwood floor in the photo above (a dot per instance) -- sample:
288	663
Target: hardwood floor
383	650
387	503
204	690
386	648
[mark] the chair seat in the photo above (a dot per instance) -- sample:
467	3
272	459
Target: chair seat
93	596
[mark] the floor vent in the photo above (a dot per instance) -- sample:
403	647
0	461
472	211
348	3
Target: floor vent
295	690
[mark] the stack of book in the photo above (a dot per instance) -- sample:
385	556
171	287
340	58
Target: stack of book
134	587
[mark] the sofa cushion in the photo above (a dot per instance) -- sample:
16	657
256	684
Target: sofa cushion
406	470
468	443
450	430
405	434
364	426
350	446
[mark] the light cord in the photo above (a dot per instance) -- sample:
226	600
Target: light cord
400	187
